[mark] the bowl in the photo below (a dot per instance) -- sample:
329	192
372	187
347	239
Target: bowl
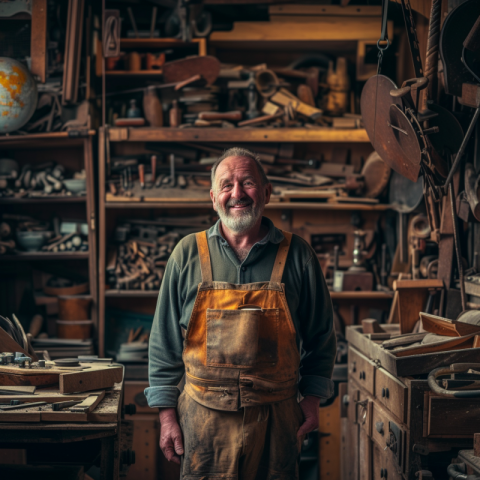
32	241
9	168
75	185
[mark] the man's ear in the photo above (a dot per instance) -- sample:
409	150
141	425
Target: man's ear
268	193
212	196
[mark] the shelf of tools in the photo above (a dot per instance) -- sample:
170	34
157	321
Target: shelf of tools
48	244
163	130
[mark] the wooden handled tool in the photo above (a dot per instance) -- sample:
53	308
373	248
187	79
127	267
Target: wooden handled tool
141	174
153	163
234	116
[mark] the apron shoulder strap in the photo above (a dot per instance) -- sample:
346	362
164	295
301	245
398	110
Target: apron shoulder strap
204	255
281	259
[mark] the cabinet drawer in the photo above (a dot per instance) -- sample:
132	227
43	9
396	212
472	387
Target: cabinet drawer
453	417
362	370
383	466
388	434
359	408
392	393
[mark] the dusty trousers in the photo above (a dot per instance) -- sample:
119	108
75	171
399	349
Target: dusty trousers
254	443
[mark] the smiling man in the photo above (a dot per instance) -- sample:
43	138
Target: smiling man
244	313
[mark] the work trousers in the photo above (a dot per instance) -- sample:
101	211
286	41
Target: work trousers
254	443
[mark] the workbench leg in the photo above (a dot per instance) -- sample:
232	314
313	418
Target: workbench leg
110	459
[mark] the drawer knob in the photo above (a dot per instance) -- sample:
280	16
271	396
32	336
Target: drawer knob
383	392
362	375
387	393
354	368
381	473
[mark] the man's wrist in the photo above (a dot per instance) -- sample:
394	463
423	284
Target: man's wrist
167	414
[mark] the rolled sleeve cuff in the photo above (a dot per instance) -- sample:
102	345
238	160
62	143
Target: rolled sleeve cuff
316	386
161	397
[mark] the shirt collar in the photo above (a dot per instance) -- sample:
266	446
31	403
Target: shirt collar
274	235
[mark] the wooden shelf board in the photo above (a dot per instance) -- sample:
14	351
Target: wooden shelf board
361	295
333	28
271	206
30	256
132	293
41	139
167	134
157	43
28	200
138	73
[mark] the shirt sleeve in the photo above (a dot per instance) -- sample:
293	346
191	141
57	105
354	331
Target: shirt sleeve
319	345
165	365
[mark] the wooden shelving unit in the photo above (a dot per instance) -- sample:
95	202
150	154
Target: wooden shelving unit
75	152
286	215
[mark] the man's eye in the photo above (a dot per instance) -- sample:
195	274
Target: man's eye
249	184
227	186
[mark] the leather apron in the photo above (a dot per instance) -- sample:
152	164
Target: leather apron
240	346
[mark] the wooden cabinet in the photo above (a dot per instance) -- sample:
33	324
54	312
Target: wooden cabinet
395	426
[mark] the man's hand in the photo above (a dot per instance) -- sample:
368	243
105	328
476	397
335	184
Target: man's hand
309	406
171	440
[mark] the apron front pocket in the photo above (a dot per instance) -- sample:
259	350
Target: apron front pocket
241	338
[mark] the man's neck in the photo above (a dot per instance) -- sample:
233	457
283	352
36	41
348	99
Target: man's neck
243	242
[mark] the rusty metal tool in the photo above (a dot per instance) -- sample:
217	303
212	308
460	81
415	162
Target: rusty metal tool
57	406
23	405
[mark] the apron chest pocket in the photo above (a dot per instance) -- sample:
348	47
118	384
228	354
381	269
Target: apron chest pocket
242	338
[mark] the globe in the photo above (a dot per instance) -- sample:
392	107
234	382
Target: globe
18	95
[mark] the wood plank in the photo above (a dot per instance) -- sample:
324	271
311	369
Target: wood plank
32	415
38	39
6	390
322	134
47	395
85	381
89	404
331	28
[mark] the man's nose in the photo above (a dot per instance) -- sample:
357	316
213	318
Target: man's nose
237	191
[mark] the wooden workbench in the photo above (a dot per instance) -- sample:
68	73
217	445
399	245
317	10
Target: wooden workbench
92	439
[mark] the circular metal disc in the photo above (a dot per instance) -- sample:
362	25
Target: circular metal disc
375	106
67	362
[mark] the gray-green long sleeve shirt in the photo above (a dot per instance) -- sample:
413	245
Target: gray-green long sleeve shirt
307	297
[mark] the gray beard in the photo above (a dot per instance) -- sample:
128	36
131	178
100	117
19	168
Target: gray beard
243	222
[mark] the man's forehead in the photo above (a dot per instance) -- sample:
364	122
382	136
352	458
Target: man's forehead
236	163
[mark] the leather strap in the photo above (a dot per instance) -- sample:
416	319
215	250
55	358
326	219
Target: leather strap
281	259
204	255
